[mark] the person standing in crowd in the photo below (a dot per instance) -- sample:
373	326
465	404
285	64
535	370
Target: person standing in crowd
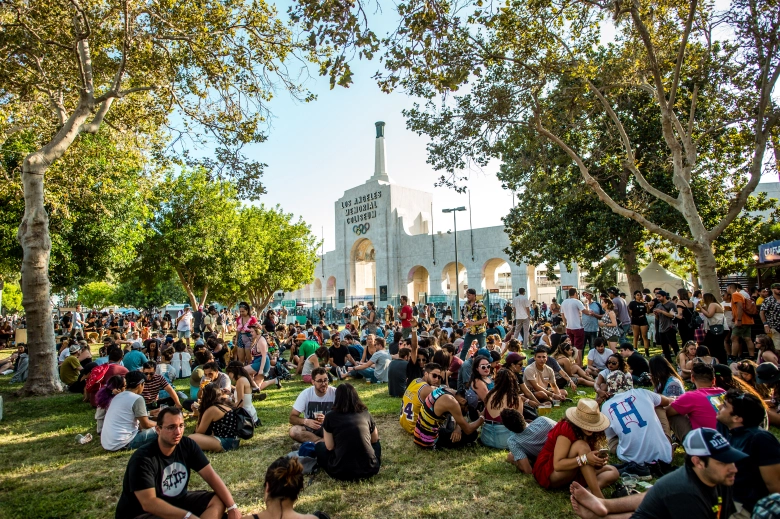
372	320
743	323
572	310
700	489
665	311
522	313
474	318
350	449
157	475
770	314
405	316
184	324
717	328
621	312
685	313
638	311
313	403
244	324
758	475
590	319
210	321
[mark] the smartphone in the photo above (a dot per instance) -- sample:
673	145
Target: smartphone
604	453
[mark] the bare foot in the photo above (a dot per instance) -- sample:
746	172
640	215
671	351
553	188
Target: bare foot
588	500
581	511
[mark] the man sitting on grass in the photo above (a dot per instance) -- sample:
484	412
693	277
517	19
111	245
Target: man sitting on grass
700	489
526	441
157	476
312	403
127	424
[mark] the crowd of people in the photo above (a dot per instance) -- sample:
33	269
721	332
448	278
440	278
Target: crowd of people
460	384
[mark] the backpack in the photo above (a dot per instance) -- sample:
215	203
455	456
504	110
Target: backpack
245	427
750	307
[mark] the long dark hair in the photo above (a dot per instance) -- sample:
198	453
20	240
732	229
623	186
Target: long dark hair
209	396
595	439
347	400
475	369
660	371
237	369
766	342
506	387
622	366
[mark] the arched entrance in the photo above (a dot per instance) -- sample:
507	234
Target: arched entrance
497	274
448	279
417	282
316	290
330	287
363	262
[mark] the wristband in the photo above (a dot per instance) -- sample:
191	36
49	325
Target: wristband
187	515
231	507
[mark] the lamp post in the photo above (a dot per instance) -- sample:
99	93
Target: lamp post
454	210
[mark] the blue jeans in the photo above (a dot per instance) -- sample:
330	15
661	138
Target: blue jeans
624	328
589	338
467	339
143	437
368	374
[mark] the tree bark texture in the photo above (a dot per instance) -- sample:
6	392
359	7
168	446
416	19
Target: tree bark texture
34	237
628	255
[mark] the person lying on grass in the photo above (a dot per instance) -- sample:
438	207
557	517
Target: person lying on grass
573	451
157	475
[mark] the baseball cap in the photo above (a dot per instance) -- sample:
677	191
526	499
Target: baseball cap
199	342
300	337
512	358
136	346
134	379
483	352
186	306
663	293
709	442
613	290
775	285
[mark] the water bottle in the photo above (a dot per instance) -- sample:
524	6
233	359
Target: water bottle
83	438
79	438
581	393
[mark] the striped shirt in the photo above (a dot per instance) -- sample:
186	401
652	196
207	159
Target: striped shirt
152	388
529	443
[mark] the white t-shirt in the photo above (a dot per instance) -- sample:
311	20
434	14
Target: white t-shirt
572	309
599	359
381	360
121	423
521	304
185	323
633	420
308	402
64	355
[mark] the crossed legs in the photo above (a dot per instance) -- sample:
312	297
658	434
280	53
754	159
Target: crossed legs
588	506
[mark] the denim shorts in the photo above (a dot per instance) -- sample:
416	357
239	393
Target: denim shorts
183	334
266	368
228	444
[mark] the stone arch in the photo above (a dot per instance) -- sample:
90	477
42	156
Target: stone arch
330	287
417	281
316	289
448	279
496	273
363	268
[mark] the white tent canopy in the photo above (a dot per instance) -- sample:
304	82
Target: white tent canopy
655	276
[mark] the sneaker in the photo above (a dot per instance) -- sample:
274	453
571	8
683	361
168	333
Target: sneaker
278	384
259	397
258	423
660	468
622	491
640	471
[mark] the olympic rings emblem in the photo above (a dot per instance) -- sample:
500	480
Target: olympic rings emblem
361	228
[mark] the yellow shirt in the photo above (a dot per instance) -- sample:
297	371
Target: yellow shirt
411	404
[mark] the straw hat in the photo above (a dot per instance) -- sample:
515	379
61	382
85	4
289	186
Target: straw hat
587	416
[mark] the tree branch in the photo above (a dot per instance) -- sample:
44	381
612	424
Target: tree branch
681	52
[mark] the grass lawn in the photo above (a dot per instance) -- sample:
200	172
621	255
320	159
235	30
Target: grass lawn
45	473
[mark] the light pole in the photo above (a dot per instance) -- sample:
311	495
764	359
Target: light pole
454	210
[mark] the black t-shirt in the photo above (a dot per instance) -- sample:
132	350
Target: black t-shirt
352	456
764	450
637	310
682	495
169	476
268	325
338	356
638	364
396	377
413	371
65	321
197	321
555	340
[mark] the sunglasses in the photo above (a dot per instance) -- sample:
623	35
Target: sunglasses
146	374
484	366
437	377
612	363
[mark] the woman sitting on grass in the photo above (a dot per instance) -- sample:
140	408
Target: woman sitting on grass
105	395
615	362
573	451
317	359
351	449
283	484
566	357
242	388
217	423
504	395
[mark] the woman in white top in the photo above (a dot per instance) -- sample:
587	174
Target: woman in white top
181	360
717	324
242	388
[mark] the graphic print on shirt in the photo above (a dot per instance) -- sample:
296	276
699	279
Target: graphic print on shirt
174	479
716	401
628	415
313	408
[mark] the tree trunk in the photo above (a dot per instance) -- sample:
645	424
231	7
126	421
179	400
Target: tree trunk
34	238
706	265
187	286
695	282
205	295
628	255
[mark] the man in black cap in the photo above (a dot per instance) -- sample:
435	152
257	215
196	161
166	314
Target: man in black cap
700	489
